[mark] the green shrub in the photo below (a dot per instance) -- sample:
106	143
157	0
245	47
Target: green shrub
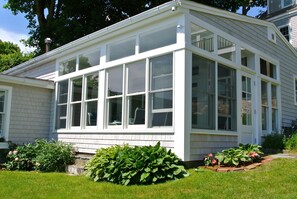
134	165
273	141
242	155
291	143
41	155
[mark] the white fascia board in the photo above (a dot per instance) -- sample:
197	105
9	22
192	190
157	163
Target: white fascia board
92	38
27	81
226	14
282	16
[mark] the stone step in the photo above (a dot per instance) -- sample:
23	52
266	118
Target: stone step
80	161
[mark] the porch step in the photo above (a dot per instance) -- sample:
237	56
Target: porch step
79	163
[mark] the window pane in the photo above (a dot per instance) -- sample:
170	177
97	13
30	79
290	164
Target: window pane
162	100
115	111
226	49
202	38
122	49
2	100
203	91
89	60
226	98
264	118
67	66
161	72
63	92
76	89
288	3
91	116
248	59
136	77
75	113
92	86
61	116
115	81
157	39
264	97
274	120
273	96
162	119
137	109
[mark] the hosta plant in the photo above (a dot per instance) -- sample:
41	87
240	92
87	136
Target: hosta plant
135	165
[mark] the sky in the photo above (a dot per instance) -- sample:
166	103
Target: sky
13	28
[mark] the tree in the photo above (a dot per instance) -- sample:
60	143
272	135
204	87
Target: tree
65	20
11	55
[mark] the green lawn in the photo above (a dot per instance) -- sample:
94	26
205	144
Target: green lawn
277	179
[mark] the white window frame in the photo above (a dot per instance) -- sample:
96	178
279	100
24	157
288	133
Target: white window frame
7	108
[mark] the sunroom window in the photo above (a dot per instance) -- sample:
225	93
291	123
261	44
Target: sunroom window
61	111
267	68
226	49
89	59
121	49
91	99
202	38
115	95
68	66
274	108
203	93
161	90
157	39
226	98
247	58
264	104
76	101
136	93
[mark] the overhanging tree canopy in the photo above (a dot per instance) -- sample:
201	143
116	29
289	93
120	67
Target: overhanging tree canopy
66	20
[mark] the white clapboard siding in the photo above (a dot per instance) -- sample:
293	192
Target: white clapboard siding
202	144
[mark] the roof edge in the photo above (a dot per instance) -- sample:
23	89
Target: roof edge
27	81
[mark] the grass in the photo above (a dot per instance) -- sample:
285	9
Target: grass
277	179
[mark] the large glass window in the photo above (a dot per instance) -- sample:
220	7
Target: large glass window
136	93
114	95
248	59
122	49
203	93
226	98
295	90
274	108
61	112
226	49
264	103
89	59
157	39
202	38
91	99
68	66
161	90
75	104
2	111
246	109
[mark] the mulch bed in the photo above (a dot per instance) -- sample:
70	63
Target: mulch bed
217	168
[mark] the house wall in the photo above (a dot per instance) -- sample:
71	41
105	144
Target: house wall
90	142
202	144
243	31
30	113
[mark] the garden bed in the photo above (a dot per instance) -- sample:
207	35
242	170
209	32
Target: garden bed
223	168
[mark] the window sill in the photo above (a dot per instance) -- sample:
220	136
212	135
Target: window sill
117	131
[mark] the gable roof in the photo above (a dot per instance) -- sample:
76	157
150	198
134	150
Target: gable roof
144	17
27	81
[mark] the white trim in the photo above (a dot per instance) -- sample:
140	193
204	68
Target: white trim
27	81
7	109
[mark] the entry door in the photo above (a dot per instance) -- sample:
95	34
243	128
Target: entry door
247	103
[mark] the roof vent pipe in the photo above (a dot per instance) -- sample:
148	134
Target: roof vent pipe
47	42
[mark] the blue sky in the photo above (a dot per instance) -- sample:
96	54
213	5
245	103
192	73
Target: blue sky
13	28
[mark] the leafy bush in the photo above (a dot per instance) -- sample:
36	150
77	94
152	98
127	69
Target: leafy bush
291	143
41	155
242	155
273	141
134	165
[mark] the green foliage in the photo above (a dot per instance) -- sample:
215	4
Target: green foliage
41	155
11	55
135	165
242	155
273	141
291	142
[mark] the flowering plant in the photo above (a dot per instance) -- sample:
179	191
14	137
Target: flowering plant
210	160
